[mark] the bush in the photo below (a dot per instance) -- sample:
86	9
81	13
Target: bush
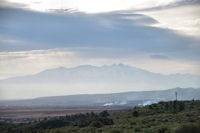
190	128
96	124
104	114
132	123
137	129
106	121
135	113
149	131
115	131
162	130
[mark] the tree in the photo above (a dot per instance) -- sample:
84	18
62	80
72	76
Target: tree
135	113
104	114
96	124
181	106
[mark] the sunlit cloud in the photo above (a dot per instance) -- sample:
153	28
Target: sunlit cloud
93	6
184	19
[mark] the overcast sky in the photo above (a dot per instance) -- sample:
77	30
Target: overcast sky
160	36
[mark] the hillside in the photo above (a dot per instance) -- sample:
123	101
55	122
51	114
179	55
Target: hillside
164	117
89	79
113	99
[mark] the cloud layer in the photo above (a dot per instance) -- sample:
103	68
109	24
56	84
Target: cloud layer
40	40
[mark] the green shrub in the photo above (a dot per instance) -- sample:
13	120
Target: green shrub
162	130
137	129
104	114
135	113
115	131
189	128
96	124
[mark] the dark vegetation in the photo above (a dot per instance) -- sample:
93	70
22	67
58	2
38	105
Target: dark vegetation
164	117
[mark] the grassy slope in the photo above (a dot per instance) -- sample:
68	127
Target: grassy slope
165	117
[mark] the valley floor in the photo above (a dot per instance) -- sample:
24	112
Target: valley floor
164	117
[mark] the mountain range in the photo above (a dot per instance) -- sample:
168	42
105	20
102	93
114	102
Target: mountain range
88	79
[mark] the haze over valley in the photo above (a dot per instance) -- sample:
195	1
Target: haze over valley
124	99
87	79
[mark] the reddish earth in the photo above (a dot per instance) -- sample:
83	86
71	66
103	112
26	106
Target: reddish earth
27	114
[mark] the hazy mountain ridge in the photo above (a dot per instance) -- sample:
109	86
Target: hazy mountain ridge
88	71
115	99
88	79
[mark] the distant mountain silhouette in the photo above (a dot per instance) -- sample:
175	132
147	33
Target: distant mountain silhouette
88	79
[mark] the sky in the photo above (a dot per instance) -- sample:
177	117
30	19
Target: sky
160	36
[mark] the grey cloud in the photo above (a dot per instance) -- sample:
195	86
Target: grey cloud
188	2
107	30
